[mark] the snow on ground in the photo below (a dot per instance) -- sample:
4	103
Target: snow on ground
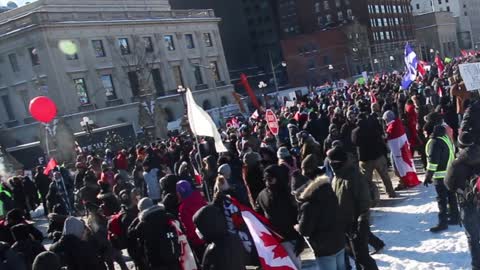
403	225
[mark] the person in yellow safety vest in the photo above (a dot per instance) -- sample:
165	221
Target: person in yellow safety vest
440	155
5	201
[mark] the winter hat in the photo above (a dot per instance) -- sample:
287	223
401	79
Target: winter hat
309	163
337	155
224	170
251	158
46	260
465	139
221	184
144	204
283	153
15	215
74	226
184	188
389	116
20	232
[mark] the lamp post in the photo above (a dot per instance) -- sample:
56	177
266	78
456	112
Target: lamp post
283	64
375	61
181	91
330	70
87	125
262	85
391	61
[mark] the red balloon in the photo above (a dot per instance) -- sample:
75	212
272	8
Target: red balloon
43	109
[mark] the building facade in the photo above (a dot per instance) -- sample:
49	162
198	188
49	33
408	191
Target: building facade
437	30
114	63
465	12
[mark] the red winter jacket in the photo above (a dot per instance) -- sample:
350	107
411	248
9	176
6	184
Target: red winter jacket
187	209
121	162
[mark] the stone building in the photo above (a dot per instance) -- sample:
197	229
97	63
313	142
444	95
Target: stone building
109	60
437	30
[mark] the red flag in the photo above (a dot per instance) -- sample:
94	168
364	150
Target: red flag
440	91
464	53
420	68
51	164
244	82
271	254
440	66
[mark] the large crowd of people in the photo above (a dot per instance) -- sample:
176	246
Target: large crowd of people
164	202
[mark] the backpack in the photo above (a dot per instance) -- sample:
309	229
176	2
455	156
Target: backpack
117	229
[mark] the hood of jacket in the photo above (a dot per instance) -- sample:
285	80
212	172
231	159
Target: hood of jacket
314	190
152	210
211	223
47	260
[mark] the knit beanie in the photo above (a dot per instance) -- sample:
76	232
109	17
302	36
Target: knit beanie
337	154
144	204
46	260
389	116
283	153
74	226
184	188
224	170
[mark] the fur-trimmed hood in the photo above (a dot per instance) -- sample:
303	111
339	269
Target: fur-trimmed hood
145	213
314	189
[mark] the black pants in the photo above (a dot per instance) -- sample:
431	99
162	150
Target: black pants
447	203
471	222
374	241
358	241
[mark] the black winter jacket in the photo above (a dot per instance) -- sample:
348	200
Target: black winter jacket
369	141
319	218
77	254
225	250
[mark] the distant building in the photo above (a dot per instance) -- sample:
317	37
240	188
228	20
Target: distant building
106	60
465	12
438	30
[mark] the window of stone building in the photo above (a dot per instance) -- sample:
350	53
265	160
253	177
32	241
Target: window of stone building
25	99
317	7
340	16
326	5
157	82
338	3
134	83
448	8
377	9
439	2
81	89
72	56
382	9
168	39
418	6
189	41
8	107
33	52
108	86
198	75
224	101
12	58
98	48
177	74
215	71
382	36
349	14
379	22
385	22
124	46
387	35
207	38
396	21
148	43
206	104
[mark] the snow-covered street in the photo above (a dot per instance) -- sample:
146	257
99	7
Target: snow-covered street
403	226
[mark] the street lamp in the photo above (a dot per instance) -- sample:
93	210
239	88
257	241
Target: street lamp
262	85
181	91
283	64
391	61
87	125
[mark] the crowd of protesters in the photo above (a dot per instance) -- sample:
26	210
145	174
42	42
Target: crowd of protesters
164	202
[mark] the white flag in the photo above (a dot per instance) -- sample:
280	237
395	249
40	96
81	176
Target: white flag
202	124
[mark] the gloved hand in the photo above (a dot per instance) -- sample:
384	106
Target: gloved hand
428	178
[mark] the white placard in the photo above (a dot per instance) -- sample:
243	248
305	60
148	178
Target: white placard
471	75
289	104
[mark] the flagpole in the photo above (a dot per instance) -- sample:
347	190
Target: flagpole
200	165
46	141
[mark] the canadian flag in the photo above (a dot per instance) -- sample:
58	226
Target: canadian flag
402	157
271	254
440	66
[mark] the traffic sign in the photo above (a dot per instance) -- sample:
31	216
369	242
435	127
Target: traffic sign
272	122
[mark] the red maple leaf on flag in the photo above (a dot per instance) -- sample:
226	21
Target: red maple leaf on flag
278	250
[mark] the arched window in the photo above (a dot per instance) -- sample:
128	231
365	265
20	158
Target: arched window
206	104
169	115
224	101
